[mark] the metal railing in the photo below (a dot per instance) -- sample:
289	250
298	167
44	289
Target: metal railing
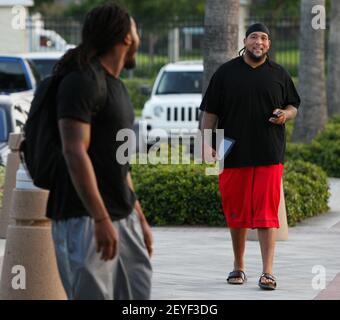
173	40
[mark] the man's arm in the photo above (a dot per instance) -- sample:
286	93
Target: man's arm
148	239
291	112
75	137
208	121
137	204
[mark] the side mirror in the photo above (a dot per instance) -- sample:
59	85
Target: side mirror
145	90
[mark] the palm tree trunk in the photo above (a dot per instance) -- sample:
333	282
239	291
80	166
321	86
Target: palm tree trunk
333	78
312	114
220	36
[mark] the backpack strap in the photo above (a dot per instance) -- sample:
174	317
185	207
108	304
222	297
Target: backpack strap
100	77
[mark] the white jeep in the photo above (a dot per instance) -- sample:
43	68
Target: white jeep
173	108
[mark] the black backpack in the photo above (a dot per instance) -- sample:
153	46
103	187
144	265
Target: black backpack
41	151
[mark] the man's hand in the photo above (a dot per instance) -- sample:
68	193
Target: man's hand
106	239
208	153
148	238
207	122
281	117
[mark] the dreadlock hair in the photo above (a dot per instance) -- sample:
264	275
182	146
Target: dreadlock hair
103	28
242	51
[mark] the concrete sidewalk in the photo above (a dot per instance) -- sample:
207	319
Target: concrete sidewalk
192	263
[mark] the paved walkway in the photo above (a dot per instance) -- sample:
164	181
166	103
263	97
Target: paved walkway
192	263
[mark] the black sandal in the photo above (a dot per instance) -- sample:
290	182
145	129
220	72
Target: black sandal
237	274
269	285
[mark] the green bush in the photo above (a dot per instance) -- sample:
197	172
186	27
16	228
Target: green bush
289	130
133	86
324	150
298	151
183	194
306	190
178	194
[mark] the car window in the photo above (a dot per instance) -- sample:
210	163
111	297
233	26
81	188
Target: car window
173	82
3	126
12	77
35	72
44	66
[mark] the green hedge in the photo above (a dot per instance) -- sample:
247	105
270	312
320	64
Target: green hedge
306	190
323	151
178	194
133	86
183	194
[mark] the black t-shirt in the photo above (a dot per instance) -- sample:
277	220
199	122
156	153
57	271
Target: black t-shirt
244	99
78	99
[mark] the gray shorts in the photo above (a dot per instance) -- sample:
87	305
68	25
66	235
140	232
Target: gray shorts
85	276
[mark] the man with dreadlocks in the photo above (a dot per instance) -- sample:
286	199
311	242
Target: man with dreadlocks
102	240
250	98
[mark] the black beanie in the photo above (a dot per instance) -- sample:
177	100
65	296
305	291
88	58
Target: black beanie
260	27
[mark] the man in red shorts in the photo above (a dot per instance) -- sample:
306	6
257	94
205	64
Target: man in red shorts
250	98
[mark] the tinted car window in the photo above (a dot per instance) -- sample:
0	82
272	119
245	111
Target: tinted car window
12	77
4	129
173	82
35	72
44	66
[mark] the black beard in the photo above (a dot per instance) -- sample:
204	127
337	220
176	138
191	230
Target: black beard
253	57
130	64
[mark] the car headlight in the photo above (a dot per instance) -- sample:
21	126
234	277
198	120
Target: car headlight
157	111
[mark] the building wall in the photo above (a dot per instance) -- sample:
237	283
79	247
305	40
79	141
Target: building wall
13	41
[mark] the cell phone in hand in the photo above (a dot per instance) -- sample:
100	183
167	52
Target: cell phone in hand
277	114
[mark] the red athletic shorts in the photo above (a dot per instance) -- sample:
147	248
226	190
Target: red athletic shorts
251	196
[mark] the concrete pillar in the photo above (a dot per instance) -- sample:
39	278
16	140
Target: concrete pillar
12	166
173	45
188	41
282	232
29	267
1	258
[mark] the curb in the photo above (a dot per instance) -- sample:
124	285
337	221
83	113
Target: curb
1	260
332	292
